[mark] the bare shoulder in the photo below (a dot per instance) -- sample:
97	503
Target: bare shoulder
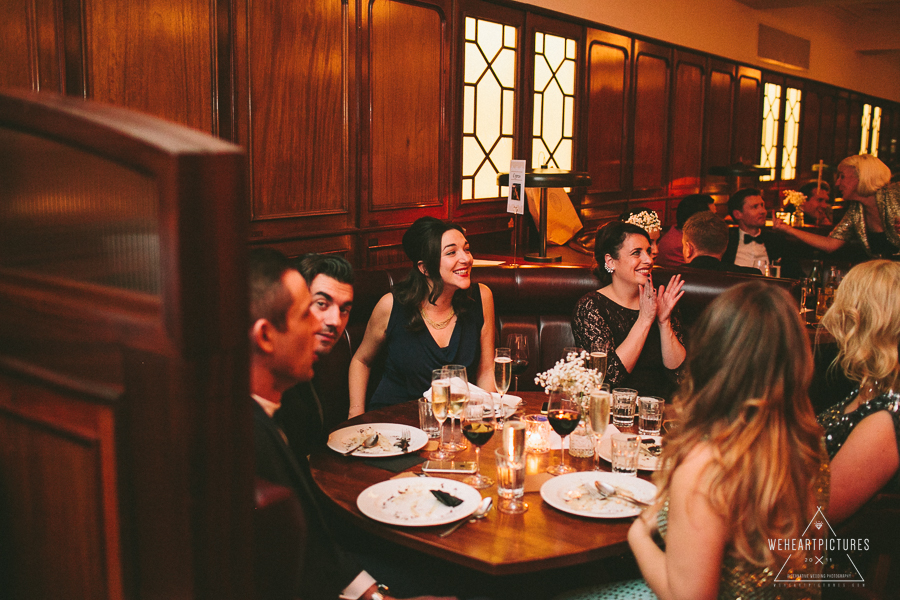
486	293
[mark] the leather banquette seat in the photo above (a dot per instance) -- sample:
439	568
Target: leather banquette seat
535	300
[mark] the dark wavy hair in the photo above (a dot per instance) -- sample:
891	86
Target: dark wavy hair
422	244
609	241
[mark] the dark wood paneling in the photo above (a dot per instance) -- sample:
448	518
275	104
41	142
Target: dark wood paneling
652	65
854	125
687	123
720	97
808	153
826	129
608	83
842	128
408	60
295	128
17	45
747	124
153	57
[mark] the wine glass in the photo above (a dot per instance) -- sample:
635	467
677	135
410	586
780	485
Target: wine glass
564	416
598	418
478	431
440	405
570	350
459	396
518	348
597	360
502	376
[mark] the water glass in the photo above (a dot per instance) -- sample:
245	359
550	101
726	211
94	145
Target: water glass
763	265
581	442
513	443
427	422
650	414
623	406
510	483
625	449
537	434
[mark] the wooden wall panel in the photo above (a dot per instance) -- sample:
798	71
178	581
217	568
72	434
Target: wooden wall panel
407	85
810	114
70	511
155	56
687	123
826	129
747	124
652	65
608	75
292	112
718	116
854	125
31	45
842	128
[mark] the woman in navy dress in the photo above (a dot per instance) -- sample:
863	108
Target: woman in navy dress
433	318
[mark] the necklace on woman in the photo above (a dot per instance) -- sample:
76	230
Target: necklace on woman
441	324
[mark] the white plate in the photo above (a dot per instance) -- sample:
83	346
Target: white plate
407	501
511	404
575	493
645	461
388	436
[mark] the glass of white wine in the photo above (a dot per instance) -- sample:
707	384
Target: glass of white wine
502	378
597	360
598	418
459	396
440	406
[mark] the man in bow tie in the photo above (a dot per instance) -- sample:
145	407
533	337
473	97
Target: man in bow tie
750	241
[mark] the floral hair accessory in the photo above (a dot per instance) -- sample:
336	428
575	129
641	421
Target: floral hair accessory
793	197
647	220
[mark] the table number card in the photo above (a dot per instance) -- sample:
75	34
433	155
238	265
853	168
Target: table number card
516	199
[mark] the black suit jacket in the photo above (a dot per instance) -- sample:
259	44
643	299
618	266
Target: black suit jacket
776	247
326	569
711	263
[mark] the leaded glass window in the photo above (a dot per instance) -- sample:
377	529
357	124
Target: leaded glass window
488	106
768	156
871	130
554	100
791	133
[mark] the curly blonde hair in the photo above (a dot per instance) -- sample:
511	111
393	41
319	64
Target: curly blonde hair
865	321
744	394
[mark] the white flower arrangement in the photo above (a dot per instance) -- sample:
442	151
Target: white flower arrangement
647	220
571	375
793	197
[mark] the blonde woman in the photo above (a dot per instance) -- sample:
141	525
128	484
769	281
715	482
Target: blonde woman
862	432
873	217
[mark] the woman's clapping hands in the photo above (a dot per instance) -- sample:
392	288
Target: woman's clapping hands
658	304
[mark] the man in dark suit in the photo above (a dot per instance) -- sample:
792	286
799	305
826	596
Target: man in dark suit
304	416
704	239
750	240
283	327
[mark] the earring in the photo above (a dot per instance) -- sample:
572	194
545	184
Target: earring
608	268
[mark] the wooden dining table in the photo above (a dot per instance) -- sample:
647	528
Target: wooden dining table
542	538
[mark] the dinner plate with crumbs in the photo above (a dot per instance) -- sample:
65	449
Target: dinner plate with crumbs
648	459
408	501
575	493
389	442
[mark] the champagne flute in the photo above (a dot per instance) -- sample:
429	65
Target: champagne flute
440	404
502	376
459	396
518	348
479	432
564	416
597	361
598	418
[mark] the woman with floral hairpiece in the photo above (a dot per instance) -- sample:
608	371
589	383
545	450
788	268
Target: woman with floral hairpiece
635	324
649	221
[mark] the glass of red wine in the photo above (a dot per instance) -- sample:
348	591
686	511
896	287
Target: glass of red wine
564	416
479	431
518	351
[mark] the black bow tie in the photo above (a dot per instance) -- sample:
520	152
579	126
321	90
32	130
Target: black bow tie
749	239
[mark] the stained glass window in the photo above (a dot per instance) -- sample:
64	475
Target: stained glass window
871	130
554	100
791	133
488	106
768	156
866	124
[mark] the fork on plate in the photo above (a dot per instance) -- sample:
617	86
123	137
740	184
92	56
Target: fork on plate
403	442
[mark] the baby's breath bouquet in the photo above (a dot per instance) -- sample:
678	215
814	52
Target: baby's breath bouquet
571	375
793	198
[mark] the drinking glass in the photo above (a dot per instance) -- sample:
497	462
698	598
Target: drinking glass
625	448
440	406
502	376
623	406
459	396
597	360
763	265
510	482
570	350
518	351
478	431
564	416
598	419
650	410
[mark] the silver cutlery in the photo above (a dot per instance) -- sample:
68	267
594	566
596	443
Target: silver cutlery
610	491
403	442
483	509
365	443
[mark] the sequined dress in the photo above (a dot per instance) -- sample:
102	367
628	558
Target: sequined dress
853	225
